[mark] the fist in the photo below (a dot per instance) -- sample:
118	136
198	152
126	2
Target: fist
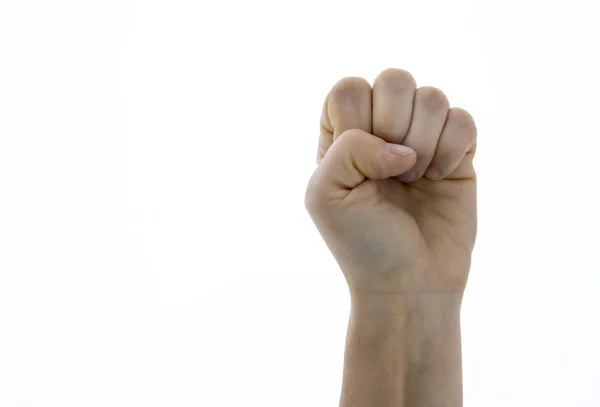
394	192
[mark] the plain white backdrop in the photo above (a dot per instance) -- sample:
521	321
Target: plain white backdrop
154	247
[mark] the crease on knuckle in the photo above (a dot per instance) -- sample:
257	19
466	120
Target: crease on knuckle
433	99
348	93
397	80
463	120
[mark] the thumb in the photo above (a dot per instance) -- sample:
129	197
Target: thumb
356	155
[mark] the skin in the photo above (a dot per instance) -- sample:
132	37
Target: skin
394	198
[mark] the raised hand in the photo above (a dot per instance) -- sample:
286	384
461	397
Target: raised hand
394	193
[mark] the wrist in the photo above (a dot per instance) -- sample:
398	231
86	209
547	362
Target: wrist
425	305
409	345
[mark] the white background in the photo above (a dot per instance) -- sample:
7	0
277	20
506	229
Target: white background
154	247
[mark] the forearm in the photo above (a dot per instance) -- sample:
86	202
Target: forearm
403	351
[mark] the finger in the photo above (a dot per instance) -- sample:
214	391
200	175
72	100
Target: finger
429	115
393	95
355	156
347	106
456	147
326	134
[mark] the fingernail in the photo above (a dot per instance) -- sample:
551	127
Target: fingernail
398	149
432	172
407	176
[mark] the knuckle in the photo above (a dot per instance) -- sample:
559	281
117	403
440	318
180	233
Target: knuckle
350	91
433	99
397	80
351	136
463	120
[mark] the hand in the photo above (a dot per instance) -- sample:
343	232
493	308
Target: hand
401	217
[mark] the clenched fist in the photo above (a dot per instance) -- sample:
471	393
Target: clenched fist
394	193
